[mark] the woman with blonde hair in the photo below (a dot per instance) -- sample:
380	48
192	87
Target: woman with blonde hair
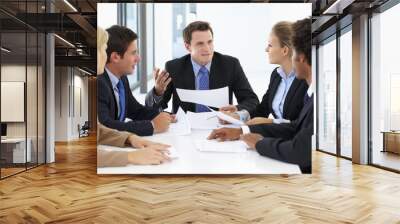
148	153
284	96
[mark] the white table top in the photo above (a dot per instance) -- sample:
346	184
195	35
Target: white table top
192	161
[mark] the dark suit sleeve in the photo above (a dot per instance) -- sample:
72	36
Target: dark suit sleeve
104	97
296	150
264	109
245	95
285	131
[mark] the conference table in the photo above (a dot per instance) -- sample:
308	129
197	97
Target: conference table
193	161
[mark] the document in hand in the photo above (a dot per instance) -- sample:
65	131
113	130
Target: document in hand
213	97
227	118
216	146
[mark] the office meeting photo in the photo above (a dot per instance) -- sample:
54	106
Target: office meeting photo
193	88
201	111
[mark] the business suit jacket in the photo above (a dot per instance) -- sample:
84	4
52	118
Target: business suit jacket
108	136
288	142
224	71
293	101
107	109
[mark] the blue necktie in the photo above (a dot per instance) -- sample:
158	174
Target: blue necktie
203	84
121	93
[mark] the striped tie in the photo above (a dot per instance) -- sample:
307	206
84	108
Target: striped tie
203	84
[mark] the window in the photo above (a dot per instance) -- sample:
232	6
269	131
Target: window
385	85
327	96
131	21
22	76
346	94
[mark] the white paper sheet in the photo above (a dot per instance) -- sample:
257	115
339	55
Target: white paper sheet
213	97
224	117
203	121
216	146
229	119
182	126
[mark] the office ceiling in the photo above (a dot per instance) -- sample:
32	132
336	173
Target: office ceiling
75	23
331	15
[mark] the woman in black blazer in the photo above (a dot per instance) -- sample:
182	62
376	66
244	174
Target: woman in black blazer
285	93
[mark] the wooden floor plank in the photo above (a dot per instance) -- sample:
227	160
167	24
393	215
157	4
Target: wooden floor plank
70	191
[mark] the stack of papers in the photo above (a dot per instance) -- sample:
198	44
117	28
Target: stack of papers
203	121
216	146
182	126
206	120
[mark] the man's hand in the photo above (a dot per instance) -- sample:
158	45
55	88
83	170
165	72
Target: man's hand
251	139
162	80
259	120
229	108
161	122
139	142
173	118
224	134
148	156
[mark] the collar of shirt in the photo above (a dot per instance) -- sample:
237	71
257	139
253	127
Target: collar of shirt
196	67
284	76
114	79
310	90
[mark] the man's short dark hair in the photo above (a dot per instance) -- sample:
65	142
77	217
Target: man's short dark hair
119	38
301	38
195	26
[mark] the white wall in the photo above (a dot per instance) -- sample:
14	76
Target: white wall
14	73
106	14
33	127
68	83
61	103
163	34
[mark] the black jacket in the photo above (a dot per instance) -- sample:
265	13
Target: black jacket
289	142
107	109
293	101
225	71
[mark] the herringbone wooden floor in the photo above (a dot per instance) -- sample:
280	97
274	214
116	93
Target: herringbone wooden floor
70	191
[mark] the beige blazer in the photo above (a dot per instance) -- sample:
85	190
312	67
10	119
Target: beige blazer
108	136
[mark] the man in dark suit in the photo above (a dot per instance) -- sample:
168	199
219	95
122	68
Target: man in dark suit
117	108
202	69
286	142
